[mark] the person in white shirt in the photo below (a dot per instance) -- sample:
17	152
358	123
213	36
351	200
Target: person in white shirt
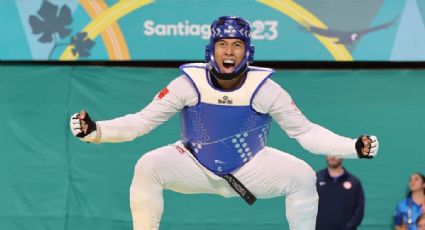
226	107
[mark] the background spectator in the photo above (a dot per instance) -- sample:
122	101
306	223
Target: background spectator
341	197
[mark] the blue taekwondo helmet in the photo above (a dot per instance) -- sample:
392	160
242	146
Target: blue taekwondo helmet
229	27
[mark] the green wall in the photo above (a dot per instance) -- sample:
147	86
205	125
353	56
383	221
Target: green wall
51	180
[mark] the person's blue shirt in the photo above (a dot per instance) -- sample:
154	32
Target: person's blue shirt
406	213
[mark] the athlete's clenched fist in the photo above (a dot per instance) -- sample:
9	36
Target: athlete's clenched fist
82	125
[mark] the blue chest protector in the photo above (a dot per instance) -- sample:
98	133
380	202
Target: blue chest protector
223	131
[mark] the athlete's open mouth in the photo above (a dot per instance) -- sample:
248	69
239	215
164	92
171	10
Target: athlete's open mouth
228	65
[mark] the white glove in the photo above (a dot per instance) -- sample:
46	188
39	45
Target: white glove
77	130
374	146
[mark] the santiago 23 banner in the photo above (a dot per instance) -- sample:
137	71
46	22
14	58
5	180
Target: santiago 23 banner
159	30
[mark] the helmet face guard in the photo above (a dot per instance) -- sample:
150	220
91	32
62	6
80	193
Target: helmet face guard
230	27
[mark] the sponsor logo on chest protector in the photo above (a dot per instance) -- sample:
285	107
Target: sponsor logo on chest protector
225	100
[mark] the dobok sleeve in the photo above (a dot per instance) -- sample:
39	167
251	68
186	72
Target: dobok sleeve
170	100
274	100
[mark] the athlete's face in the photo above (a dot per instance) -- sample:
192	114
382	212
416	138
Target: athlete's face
229	53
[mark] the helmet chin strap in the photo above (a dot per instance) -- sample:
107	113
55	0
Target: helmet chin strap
228	76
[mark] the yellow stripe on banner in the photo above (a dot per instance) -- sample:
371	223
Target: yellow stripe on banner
302	16
122	44
112	36
94	9
104	20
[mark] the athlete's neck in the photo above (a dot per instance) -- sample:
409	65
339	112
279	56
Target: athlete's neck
228	84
